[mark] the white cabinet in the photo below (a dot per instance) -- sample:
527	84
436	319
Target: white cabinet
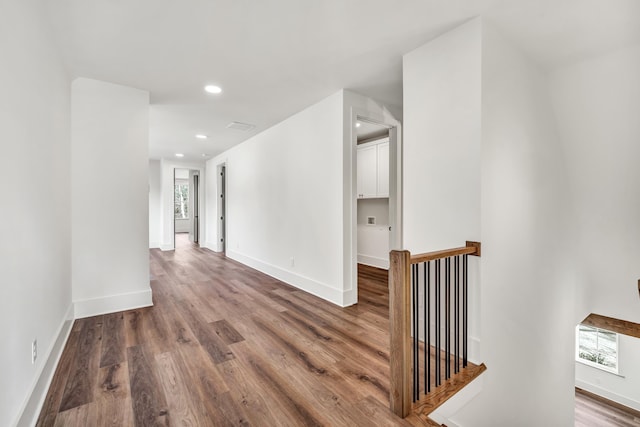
367	172
373	169
383	169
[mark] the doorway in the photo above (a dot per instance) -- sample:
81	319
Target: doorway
186	212
376	205
373	209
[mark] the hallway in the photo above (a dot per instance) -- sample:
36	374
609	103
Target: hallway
226	345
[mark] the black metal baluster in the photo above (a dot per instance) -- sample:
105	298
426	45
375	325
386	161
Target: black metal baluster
438	322
425	318
414	301
427	343
456	314
464	311
447	320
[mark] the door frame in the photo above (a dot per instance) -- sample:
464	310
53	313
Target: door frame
395	187
221	206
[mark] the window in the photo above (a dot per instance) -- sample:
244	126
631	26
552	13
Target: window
597	347
181	200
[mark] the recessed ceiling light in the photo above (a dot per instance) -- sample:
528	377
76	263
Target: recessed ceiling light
201	136
357	124
179	155
213	89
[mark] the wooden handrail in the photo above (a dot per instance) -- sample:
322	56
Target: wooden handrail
472	248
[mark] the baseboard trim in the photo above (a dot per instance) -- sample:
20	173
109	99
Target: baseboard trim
373	261
306	284
112	303
211	246
32	406
154	245
166	247
614	397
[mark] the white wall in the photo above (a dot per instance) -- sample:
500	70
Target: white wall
441	156
284	199
35	263
109	188
291	197
441	82
527	287
183	225
373	240
154	204
472	99
373	245
597	103
623	388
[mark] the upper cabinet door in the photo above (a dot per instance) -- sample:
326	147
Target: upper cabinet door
383	169
367	172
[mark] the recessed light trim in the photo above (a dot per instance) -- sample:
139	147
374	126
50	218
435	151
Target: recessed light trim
179	155
212	89
201	136
357	124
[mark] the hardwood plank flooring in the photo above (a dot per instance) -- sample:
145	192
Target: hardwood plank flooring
593	411
226	345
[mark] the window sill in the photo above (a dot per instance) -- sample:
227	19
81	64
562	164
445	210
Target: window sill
599	367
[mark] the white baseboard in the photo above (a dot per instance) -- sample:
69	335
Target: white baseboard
166	247
314	287
154	245
374	261
211	246
112	303
38	391
634	404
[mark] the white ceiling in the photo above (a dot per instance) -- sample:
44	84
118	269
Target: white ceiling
274	57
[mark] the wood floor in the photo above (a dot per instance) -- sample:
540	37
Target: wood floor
226	345
592	412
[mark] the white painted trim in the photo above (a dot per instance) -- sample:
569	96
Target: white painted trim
443	414
474	350
154	245
32	405
166	247
373	261
634	404
112	303
210	246
307	284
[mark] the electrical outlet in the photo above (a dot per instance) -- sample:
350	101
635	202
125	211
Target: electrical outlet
34	351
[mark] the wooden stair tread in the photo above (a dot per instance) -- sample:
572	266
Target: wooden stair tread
612	324
429	403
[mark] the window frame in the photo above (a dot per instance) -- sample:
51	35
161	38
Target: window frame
597	365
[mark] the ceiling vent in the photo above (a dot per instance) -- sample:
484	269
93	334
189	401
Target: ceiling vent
244	127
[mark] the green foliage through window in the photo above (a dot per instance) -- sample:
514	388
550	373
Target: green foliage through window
181	201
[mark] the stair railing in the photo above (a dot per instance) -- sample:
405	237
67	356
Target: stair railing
426	288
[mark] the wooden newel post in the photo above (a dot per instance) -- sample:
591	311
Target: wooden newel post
400	332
